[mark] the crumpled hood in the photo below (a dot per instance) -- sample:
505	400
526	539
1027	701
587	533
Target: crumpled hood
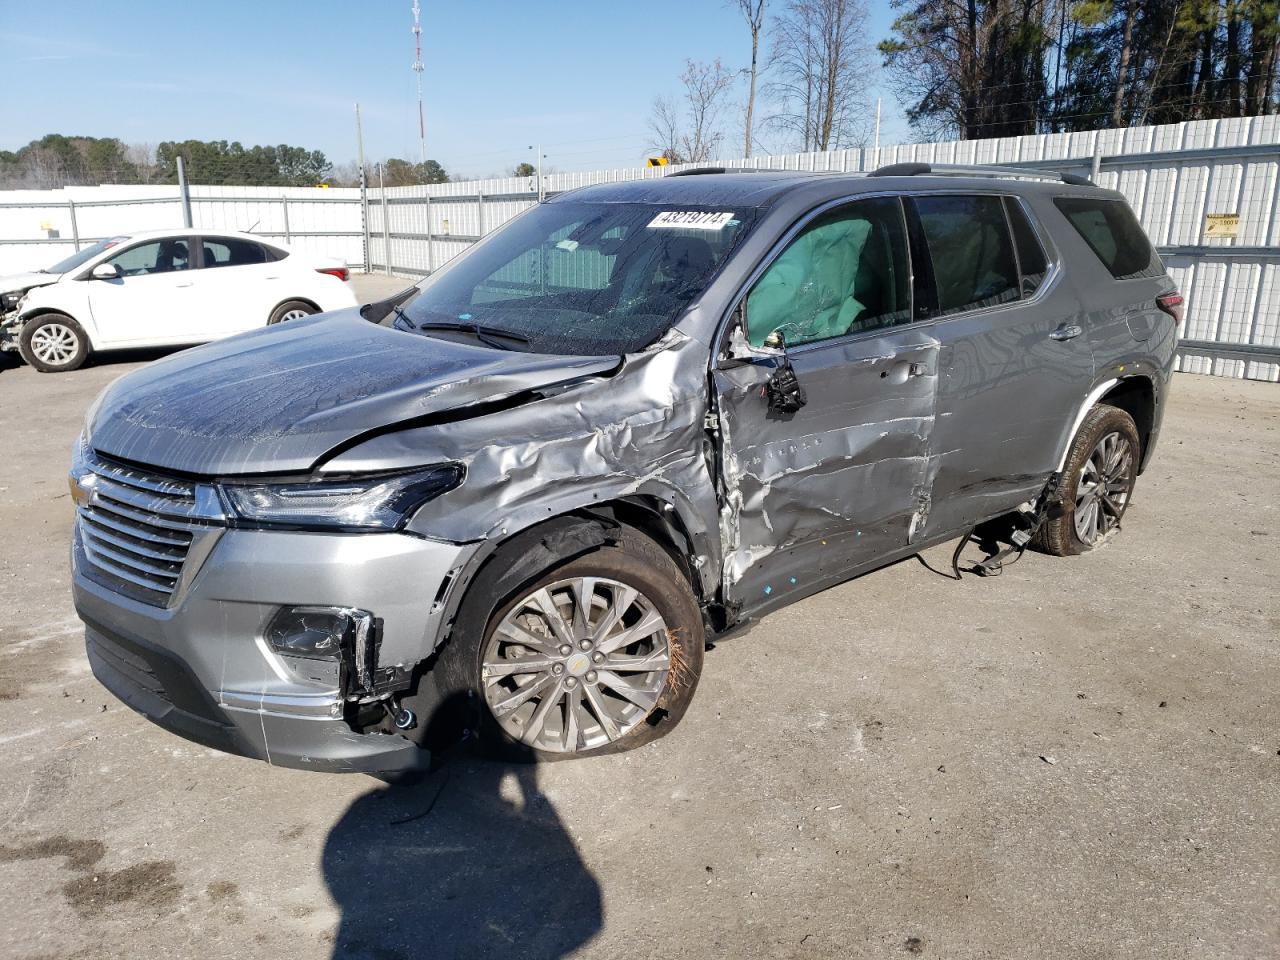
278	399
24	281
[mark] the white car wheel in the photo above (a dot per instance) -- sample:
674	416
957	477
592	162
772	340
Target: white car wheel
53	343
290	310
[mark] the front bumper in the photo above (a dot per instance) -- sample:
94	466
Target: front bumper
10	331
200	668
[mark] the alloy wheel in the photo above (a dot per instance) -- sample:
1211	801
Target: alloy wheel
54	344
576	664
294	314
1106	480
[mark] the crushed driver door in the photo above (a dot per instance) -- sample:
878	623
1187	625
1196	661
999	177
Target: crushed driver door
809	496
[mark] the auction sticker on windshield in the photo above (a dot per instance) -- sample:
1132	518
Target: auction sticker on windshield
690	220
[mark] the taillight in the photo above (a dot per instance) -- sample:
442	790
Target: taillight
1174	304
342	273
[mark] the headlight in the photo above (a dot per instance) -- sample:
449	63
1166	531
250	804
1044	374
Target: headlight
367	503
81	477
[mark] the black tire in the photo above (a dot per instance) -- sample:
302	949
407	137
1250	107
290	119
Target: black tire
280	313
48	330
1058	535
453	685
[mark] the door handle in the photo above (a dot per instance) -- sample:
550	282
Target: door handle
187	284
1068	331
904	370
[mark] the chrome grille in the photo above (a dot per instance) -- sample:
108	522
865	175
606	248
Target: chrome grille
137	528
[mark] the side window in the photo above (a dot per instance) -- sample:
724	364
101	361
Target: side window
1112	232
162	256
847	272
232	252
971	251
1032	263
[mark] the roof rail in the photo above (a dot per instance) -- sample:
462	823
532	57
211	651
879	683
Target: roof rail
699	171
951	170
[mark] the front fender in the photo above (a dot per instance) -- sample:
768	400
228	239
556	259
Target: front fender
638	433
58	298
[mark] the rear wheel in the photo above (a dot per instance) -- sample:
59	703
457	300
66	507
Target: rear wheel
290	310
53	343
1097	485
596	655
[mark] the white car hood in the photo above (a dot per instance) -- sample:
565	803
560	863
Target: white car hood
24	281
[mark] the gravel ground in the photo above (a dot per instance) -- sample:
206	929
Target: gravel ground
1080	758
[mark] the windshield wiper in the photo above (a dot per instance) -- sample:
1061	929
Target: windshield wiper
482	332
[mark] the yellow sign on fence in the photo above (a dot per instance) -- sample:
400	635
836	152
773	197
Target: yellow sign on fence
657	161
1221	224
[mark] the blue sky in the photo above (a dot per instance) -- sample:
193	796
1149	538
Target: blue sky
579	77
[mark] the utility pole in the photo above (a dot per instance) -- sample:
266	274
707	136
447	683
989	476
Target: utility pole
364	189
417	68
539	158
184	192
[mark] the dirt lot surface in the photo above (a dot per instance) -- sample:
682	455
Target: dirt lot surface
1080	758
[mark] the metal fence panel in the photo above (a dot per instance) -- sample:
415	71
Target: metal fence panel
1172	175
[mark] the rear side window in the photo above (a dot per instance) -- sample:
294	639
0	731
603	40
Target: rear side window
971	251
1032	263
1112	232
231	252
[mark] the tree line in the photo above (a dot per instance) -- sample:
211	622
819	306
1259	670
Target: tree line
1010	67
971	69
58	161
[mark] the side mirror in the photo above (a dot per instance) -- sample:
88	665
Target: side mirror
739	347
106	271
782	390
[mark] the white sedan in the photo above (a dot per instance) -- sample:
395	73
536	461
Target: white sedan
165	288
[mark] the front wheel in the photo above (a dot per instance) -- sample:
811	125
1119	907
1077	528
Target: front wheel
1097	483
597	655
53	343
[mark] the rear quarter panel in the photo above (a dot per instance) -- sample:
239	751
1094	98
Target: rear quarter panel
1130	335
324	290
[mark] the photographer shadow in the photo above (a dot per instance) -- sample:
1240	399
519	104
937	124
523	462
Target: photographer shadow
471	862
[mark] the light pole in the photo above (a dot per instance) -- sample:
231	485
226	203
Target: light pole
539	157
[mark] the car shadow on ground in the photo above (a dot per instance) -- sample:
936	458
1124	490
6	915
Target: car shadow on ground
110	358
472	862
10	360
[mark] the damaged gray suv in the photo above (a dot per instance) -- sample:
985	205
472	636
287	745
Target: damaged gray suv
520	498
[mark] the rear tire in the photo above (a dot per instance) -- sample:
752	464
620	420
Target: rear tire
290	310
1097	484
577	710
53	343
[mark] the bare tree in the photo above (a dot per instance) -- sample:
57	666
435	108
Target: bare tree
819	61
753	12
705	87
664	129
143	158
695	136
